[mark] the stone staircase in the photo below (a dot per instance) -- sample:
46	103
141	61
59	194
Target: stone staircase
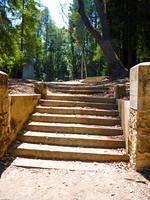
75	126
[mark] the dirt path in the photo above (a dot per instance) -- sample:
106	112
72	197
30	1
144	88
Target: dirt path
105	182
17	86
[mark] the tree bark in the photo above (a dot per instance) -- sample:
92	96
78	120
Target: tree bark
132	32
116	68
83	63
22	28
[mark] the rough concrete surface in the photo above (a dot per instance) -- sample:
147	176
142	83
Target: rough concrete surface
85	181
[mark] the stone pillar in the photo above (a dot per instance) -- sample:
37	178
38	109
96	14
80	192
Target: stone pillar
139	122
41	88
119	91
4	113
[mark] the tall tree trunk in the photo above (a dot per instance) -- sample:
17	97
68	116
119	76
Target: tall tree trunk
83	62
82	67
73	60
22	27
116	68
132	32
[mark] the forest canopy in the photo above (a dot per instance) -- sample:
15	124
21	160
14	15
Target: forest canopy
28	35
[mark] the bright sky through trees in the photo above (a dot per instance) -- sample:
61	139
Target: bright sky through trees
56	11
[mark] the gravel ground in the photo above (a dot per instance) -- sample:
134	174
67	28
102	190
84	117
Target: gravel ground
103	182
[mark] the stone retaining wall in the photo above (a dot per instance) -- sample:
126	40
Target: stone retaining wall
124	108
135	117
4	113
14	112
21	106
139	117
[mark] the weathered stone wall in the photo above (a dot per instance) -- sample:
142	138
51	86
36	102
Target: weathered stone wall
4	113
124	108
14	112
139	122
21	106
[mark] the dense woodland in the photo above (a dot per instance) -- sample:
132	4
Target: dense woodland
28	35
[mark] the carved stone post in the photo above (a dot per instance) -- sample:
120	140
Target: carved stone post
119	91
41	88
139	123
4	113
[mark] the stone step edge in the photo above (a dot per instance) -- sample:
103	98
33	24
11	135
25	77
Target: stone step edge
71	140
81	96
82	91
74	119
77	108
74	128
83	102
78	86
77	92
55	164
56	103
73	125
67	135
84	98
69	153
38	114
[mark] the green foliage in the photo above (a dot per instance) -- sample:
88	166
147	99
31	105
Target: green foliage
28	34
129	30
82	39
54	61
18	20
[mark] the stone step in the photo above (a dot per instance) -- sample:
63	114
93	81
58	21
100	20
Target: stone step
61	164
57	84
74	128
78	87
83	98
61	103
69	153
72	139
76	111
75	91
79	84
80	119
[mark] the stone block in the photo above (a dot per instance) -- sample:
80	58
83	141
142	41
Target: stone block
140	86
26	104
124	110
119	91
139	122
4	113
134	87
41	88
3	85
142	161
143	143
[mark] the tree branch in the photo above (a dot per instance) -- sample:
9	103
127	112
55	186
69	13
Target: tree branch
87	23
101	11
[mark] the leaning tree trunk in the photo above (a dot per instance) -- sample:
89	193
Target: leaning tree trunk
116	68
83	62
